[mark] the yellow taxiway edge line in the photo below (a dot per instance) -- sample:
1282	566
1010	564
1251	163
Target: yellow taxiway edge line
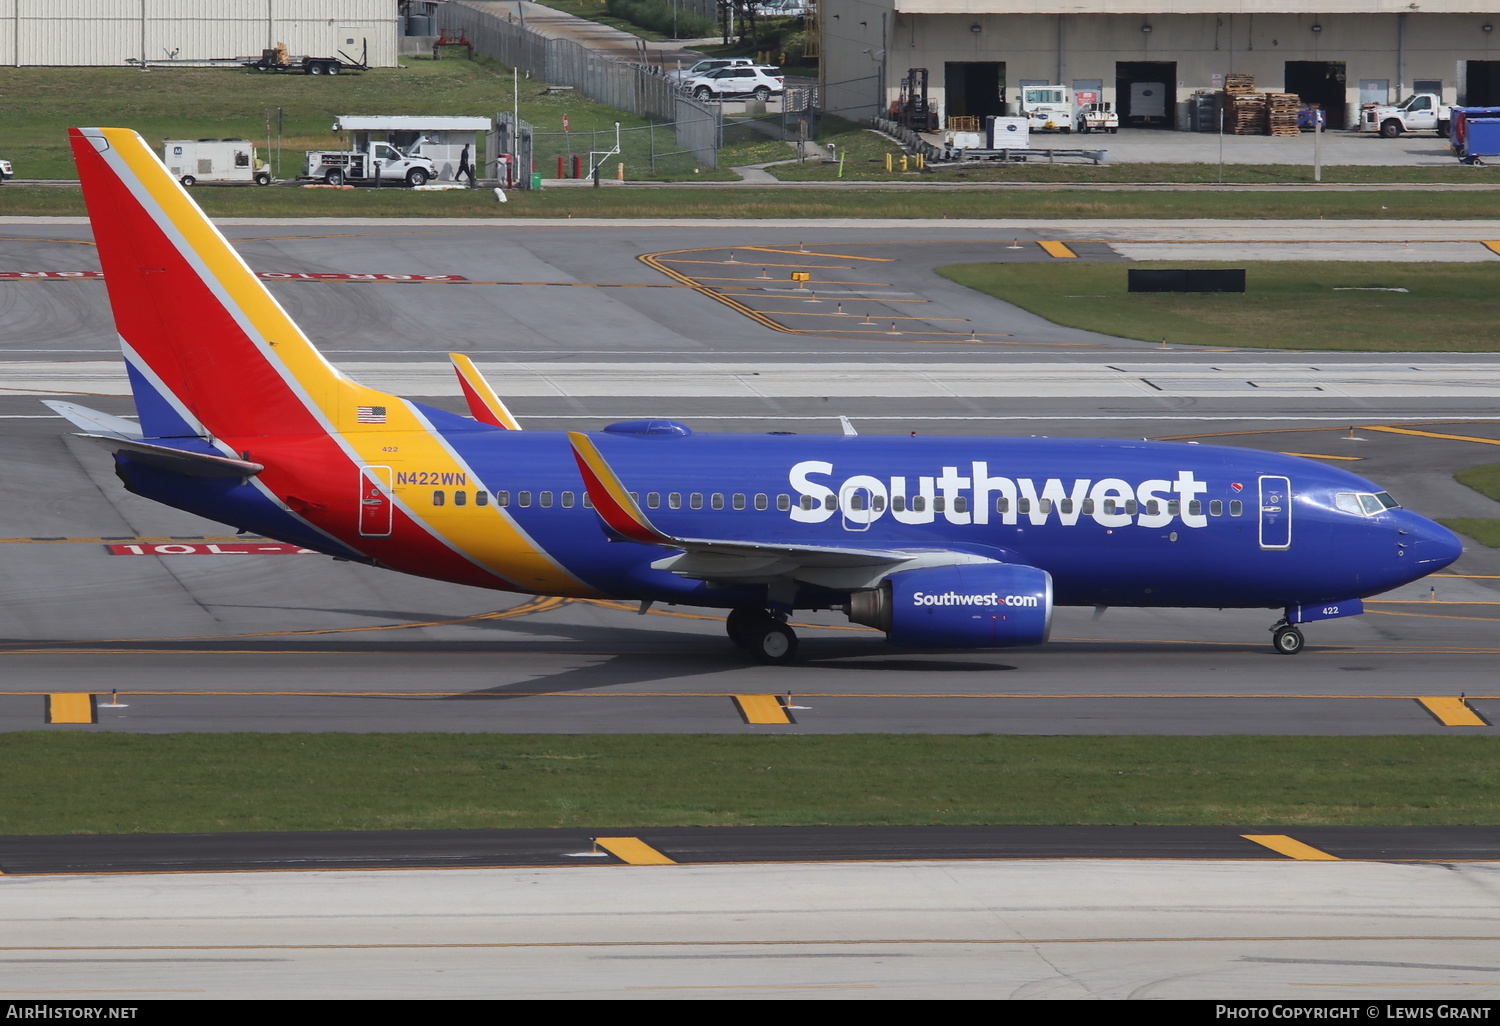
71	707
1429	434
633	851
761	709
1323	456
1292	849
1452	712
1057	249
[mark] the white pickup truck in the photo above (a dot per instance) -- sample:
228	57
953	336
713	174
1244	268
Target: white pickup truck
1419	112
337	167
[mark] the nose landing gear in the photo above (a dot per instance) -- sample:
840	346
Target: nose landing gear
764	634
1286	639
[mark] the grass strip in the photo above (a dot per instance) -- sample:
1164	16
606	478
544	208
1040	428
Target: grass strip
1294	304
59	783
1484	479
1484	531
782	202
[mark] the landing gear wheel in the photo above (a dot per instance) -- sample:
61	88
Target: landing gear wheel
742	623
1287	641
774	644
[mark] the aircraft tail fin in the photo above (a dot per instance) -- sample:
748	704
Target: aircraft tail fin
208	348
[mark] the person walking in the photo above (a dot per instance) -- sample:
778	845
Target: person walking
464	168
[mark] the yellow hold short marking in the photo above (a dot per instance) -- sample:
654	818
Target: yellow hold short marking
1452	712
633	851
71	707
761	709
1057	249
1292	849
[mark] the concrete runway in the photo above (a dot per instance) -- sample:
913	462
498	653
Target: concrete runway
204	641
1362	933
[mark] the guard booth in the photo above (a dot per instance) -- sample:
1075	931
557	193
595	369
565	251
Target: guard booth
442	139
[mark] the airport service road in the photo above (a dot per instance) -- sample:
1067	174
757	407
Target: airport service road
1226	930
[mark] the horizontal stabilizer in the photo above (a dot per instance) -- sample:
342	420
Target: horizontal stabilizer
181	461
93	422
484	405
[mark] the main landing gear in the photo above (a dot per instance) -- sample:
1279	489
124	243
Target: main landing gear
1286	639
764	634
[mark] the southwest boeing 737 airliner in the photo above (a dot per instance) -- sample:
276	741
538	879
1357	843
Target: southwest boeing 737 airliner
938	542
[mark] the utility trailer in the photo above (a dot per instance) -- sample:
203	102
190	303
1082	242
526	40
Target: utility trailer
1475	134
276	58
220	161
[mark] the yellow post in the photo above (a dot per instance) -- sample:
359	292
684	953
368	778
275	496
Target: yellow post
620	171
888	163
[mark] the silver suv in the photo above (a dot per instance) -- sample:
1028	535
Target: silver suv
753	81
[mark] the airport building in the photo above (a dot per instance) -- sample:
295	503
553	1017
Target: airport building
104	33
979	53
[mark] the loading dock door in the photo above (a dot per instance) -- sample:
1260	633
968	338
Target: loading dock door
1482	84
974	89
1320	82
1159	80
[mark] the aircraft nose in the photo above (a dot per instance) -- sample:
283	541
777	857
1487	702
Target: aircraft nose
1432	544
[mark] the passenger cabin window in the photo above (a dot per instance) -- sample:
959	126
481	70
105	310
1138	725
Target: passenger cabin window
716	500
1195	508
696	500
1023	505
502	498
783	502
460	498
939	503
481	498
567	500
806	502
761	501
588	503
919	504
1236	507
739	500
830	502
545	499
1002	505
960	504
1216	508
438	498
653	500
674	500
523	499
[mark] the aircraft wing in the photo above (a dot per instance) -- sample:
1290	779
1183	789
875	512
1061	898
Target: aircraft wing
737	561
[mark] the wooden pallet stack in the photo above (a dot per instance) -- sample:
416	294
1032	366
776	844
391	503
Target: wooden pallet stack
1246	114
1281	113
1244	108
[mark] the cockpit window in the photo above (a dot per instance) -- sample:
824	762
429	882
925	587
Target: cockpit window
1365	504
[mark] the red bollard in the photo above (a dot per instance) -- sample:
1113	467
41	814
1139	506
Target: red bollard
560	167
577	167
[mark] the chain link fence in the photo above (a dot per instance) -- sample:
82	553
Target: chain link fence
695	128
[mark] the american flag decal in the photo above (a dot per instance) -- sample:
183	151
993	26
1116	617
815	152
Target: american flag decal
370	414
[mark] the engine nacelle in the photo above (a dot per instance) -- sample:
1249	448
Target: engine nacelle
987	605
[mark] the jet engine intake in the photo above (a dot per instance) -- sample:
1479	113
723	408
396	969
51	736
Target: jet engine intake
995	605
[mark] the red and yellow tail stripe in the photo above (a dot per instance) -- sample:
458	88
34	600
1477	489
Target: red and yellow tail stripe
224	351
610	497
